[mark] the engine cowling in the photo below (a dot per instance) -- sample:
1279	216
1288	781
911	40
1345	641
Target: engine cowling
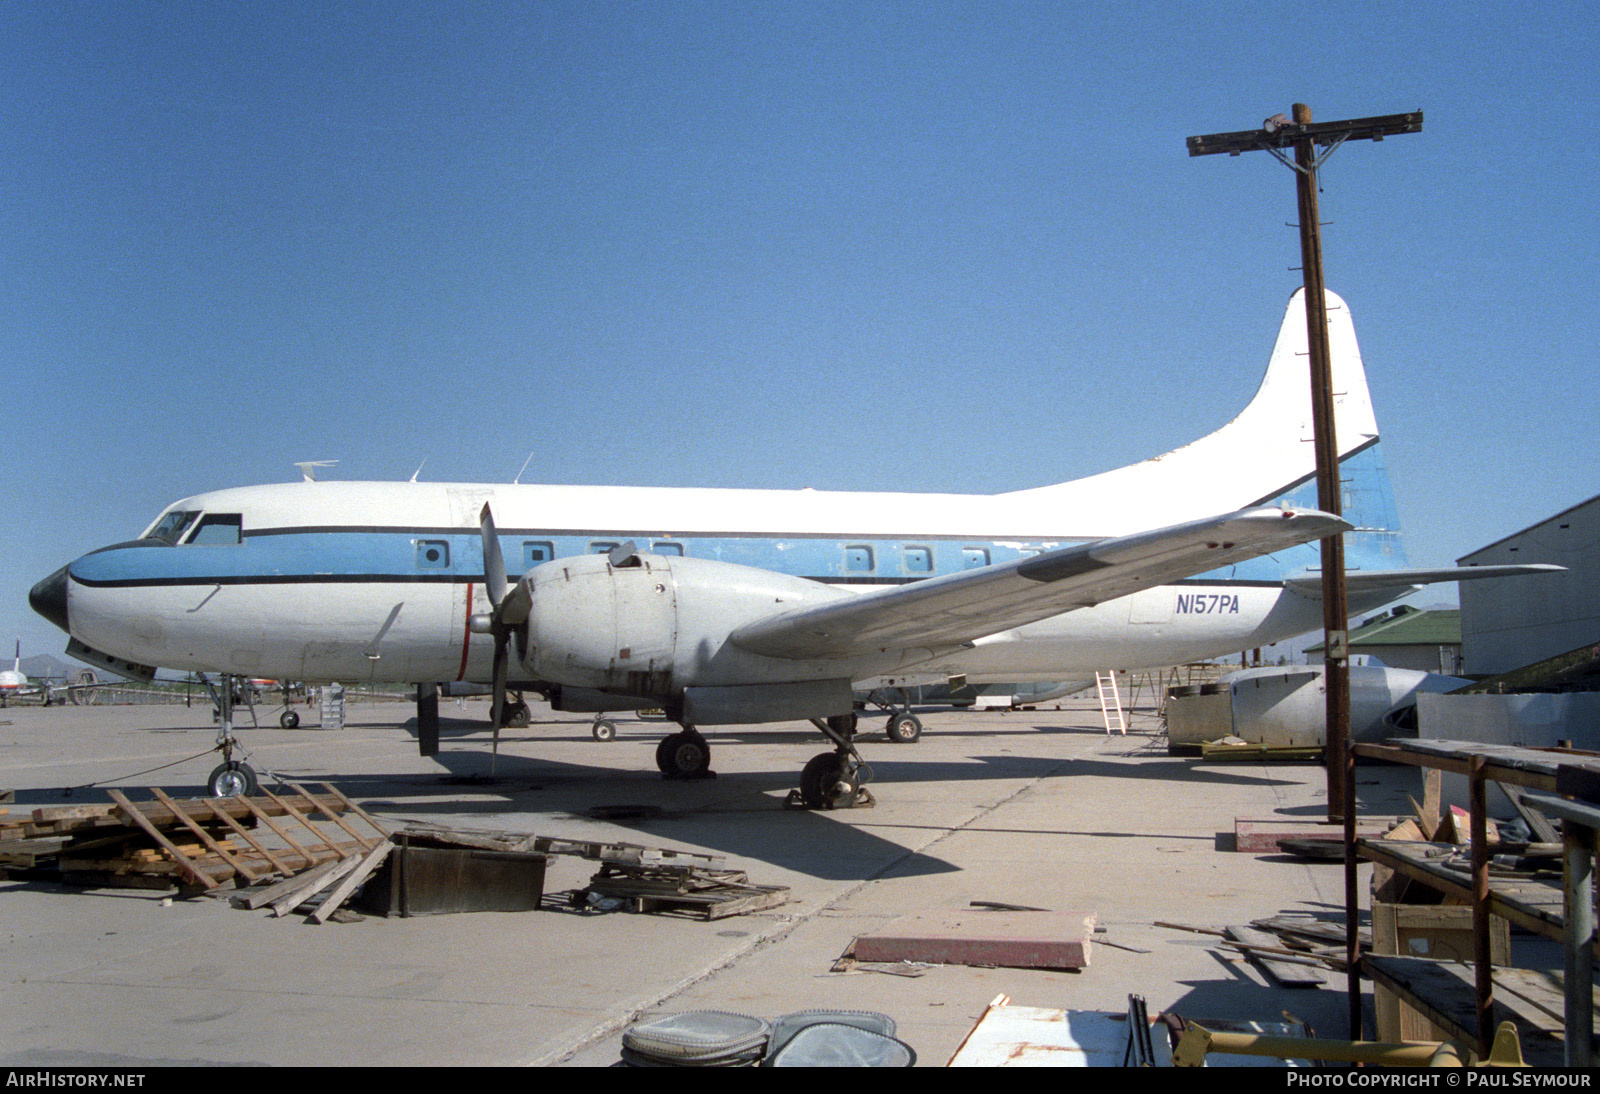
655	626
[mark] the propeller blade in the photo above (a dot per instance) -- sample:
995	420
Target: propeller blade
494	564
515	607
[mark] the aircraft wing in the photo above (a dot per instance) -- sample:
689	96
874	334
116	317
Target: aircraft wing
960	608
1372	580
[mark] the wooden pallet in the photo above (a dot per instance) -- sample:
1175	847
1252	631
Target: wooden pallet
690	890
200	843
307	844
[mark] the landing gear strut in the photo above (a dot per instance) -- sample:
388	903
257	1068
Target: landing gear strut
685	755
232	778
834	780
903	728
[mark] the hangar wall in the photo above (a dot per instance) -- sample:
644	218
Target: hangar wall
1506	624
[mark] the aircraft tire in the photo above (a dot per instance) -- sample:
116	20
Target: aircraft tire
904	729
820	782
289	720
232	780
517	715
683	755
604	730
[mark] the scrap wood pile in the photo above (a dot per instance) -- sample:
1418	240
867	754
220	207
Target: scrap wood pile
196	844
636	878
1293	950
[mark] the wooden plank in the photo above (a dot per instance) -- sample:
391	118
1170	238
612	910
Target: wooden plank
365	841
1532	903
294	811
203	836
356	809
1446	993
1289	974
1011	939
300	850
342	891
300	894
1319	930
266	894
261	849
182	860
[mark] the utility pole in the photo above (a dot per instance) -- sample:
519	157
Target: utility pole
1302	136
1277	134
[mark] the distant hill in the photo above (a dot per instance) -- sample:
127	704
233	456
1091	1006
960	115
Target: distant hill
44	666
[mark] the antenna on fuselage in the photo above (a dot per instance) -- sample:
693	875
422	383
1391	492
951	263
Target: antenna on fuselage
524	467
418	471
308	469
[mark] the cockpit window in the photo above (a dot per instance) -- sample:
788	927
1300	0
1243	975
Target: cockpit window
172	525
218	530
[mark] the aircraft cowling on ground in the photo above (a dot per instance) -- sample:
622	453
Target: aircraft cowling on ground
656	627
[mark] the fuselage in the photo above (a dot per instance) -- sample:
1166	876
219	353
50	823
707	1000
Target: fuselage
323	581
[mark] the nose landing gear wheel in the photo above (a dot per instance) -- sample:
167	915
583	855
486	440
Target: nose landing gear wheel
604	730
233	779
289	720
903	729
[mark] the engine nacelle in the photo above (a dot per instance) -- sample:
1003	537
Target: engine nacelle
656	627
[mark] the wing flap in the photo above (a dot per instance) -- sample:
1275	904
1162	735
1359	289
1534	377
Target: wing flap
961	608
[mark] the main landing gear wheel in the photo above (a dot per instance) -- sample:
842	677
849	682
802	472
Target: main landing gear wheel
233	779
685	755
604	730
903	729
828	781
516	716
289	720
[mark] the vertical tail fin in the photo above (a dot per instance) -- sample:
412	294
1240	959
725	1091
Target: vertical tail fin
1265	456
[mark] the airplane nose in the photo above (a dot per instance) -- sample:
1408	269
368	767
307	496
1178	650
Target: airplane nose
49	598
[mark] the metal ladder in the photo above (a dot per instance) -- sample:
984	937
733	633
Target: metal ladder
1110	702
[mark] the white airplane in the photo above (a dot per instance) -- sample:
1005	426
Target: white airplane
13	681
742	606
15	684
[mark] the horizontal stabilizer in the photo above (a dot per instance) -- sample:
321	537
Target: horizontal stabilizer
1372	580
959	608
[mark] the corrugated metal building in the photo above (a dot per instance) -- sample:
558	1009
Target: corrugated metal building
1511	622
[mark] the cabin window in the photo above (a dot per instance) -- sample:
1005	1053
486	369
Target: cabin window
535	552
433	554
667	547
974	557
218	530
601	546
919	560
171	526
858	559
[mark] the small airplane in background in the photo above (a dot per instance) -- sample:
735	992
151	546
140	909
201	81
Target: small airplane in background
13	681
748	606
17	686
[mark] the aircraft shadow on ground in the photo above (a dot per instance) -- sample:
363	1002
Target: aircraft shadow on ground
740	814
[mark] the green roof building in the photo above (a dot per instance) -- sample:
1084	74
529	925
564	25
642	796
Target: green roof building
1408	638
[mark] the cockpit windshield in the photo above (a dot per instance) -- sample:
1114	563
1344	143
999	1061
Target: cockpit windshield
172	525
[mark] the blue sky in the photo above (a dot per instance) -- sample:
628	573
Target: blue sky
881	246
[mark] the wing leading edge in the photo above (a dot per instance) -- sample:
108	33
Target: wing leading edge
960	608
